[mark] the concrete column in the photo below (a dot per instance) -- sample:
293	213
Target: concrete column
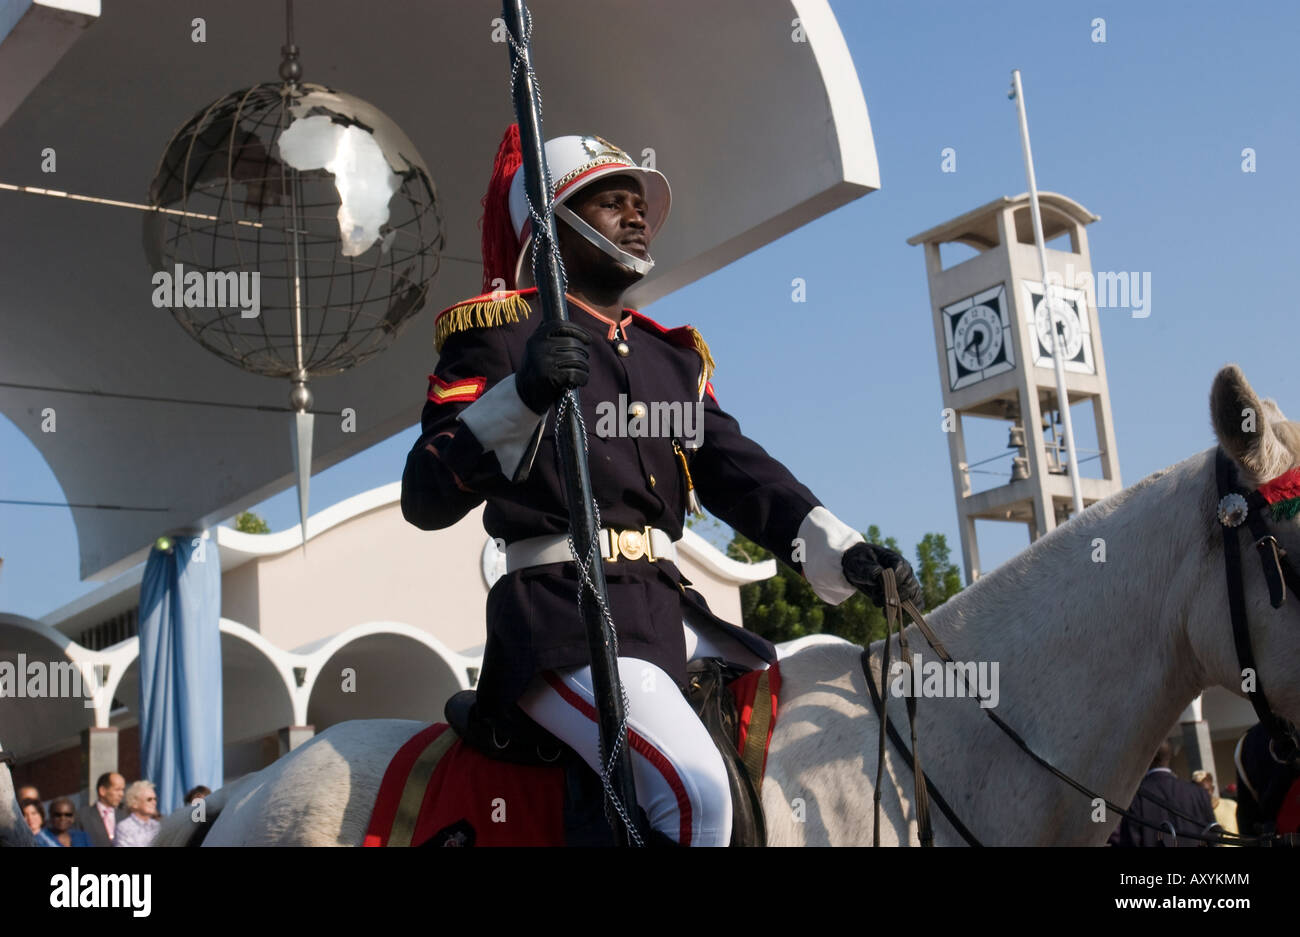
98	756
970	549
293	736
1196	744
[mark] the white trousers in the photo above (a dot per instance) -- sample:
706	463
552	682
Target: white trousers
681	781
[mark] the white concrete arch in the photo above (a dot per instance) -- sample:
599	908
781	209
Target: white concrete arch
98	670
282	661
410	687
33	713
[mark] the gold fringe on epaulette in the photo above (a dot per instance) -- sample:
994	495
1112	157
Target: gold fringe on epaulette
706	358
483	313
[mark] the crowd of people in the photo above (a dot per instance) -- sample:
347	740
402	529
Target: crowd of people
122	814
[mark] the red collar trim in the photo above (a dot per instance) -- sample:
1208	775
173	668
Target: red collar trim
678	336
603	318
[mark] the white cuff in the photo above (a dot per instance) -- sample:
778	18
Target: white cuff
504	424
825	538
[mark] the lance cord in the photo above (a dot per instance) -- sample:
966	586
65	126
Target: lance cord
541	232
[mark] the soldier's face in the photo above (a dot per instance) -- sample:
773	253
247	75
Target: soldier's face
616	207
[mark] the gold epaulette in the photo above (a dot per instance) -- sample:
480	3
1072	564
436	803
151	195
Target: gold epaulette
706	358
493	308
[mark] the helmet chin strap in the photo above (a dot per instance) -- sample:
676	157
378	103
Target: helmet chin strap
630	261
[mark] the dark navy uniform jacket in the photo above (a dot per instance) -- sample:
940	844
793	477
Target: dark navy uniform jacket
532	613
1187	798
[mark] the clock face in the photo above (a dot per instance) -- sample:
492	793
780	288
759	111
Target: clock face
977	333
1066	321
1060	321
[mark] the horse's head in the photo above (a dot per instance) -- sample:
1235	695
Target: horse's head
1262	445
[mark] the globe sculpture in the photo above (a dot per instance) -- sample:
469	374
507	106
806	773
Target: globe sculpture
324	198
315	210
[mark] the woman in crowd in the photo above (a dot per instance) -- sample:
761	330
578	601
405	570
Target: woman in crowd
63	813
34	814
141	826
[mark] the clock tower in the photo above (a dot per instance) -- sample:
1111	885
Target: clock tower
994	336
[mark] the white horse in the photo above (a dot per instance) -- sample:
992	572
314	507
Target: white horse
1097	655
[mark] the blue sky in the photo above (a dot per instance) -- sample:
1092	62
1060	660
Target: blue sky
1145	130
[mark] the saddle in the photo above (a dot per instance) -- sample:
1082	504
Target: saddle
513	737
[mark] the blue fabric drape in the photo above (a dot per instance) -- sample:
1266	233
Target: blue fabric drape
180	670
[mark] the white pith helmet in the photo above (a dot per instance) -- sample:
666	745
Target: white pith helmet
575	162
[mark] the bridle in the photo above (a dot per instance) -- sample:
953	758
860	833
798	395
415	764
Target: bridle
1236	505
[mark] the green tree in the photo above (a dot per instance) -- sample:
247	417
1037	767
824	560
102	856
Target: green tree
249	523
940	579
785	607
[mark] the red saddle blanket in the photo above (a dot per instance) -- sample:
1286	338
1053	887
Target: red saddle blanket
1288	817
437	791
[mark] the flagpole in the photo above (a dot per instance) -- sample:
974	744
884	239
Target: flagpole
1058	340
620	791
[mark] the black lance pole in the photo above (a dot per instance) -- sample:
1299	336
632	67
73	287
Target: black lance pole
569	437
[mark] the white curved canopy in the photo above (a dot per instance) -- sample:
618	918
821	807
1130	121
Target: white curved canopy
758	134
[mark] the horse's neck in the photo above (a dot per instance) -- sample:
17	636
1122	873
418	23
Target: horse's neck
1093	661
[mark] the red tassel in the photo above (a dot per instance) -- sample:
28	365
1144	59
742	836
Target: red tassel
500	244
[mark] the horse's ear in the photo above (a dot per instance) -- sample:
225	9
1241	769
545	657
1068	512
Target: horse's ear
1288	431
1245	427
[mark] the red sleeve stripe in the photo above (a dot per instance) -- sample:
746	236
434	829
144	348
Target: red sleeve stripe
457	391
708	389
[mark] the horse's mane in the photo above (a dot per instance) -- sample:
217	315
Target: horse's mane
1038	566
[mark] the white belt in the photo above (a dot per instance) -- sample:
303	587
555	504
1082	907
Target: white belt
649	543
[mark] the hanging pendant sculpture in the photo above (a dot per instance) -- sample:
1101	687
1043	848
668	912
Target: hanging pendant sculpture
315	201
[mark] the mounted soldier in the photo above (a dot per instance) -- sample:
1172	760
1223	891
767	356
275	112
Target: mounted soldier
488	434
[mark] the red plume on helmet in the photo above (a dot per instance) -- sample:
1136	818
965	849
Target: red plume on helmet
500	244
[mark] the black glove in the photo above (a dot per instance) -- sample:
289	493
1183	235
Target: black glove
864	564
555	359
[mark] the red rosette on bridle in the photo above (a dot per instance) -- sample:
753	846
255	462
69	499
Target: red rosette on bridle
1282	488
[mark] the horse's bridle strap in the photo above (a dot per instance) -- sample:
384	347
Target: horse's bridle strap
1277	570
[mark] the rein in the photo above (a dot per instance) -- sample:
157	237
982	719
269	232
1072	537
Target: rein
893	617
1279	573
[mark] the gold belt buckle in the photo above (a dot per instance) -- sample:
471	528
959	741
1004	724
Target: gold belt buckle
630	544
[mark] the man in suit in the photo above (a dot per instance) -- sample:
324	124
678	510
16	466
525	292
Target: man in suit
99	819
1187	798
